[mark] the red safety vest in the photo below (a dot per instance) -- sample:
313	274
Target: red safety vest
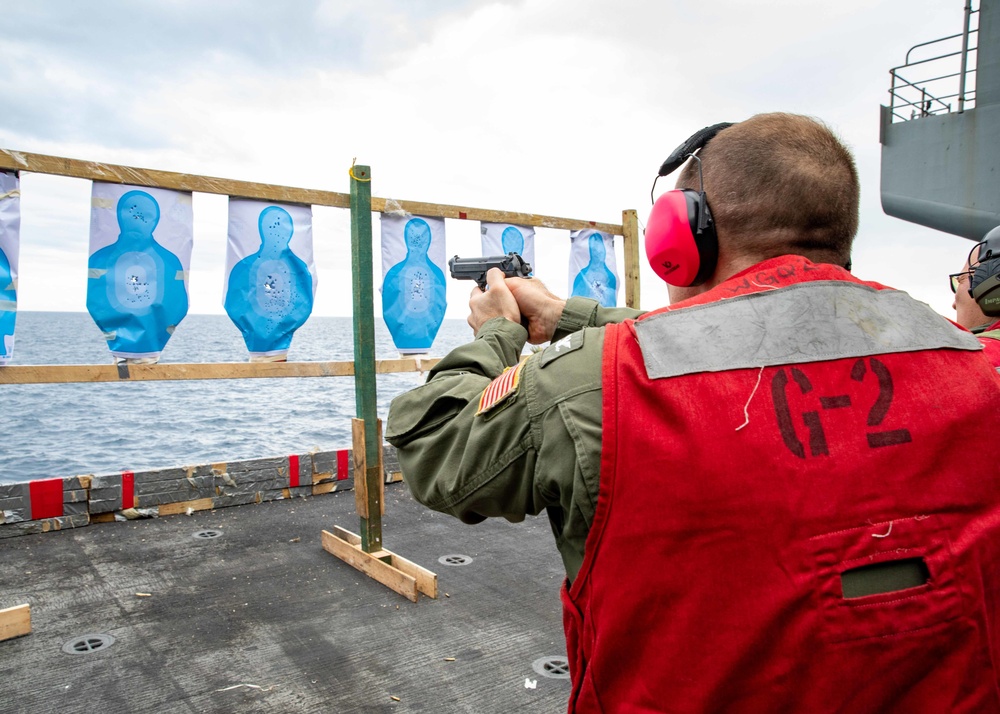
732	501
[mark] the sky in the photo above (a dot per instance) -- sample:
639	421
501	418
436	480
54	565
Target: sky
556	107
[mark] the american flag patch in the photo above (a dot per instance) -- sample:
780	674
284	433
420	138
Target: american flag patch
500	388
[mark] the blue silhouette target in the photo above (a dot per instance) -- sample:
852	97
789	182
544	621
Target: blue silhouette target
269	294
136	291
413	289
502	238
512	241
592	267
10	221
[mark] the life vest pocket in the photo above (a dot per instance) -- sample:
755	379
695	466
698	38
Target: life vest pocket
884	579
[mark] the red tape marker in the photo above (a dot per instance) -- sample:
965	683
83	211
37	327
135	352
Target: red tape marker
293	471
46	498
128	489
342	465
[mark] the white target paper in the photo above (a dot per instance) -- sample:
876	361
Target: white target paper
10	223
140	253
413	279
592	267
271	279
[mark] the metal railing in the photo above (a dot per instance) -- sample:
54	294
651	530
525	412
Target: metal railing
939	88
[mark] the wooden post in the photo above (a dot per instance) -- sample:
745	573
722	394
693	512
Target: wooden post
365	501
630	236
365	552
364	351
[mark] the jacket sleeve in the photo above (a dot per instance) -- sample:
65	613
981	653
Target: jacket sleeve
537	448
581	312
454	461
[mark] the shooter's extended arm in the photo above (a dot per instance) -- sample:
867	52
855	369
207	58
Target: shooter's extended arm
512	265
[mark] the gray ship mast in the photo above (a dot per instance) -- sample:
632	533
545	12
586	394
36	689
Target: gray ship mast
940	133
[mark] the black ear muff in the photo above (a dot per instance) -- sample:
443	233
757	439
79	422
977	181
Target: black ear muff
984	283
987	293
681	243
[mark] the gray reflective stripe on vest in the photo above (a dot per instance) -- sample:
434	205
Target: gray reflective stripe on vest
805	322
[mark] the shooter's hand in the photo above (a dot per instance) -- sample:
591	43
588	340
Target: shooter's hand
541	308
496	301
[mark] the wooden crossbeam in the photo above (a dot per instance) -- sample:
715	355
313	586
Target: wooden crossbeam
114	173
440	210
11	160
70	373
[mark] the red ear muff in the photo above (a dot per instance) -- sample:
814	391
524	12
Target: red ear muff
681	244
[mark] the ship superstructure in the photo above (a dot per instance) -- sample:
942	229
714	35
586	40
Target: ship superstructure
940	129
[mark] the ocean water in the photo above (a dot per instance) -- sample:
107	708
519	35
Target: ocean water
73	429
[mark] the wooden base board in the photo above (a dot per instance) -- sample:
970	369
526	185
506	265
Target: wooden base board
173	509
15	622
391	570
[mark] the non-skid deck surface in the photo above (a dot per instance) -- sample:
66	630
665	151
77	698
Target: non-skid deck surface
262	619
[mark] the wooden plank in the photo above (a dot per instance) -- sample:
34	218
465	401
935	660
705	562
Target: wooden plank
325	487
15	622
112	173
367	563
358	452
407	364
427	582
379	469
72	373
630	237
346	535
441	210
200	504
324	477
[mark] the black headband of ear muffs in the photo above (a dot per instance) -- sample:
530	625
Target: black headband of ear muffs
987	262
693	143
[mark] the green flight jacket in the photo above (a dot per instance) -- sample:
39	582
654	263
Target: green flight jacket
538	448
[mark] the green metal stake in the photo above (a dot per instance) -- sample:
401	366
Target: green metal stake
364	349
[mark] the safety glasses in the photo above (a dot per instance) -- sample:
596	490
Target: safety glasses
956	279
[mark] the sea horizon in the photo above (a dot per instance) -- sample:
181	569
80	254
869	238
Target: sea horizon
59	430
